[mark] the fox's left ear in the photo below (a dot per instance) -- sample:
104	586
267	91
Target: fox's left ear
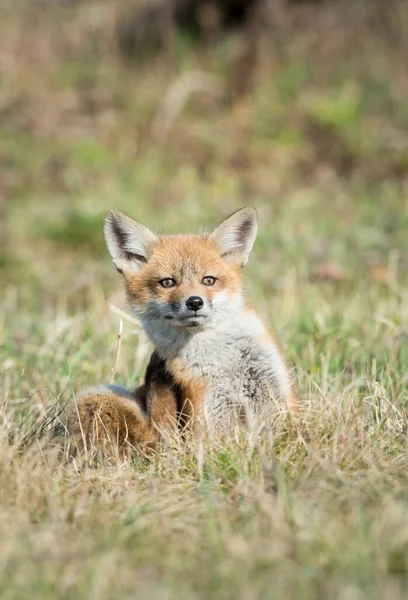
235	236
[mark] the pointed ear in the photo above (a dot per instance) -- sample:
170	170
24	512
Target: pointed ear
235	236
130	244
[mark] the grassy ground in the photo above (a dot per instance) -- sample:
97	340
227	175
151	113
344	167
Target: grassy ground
315	508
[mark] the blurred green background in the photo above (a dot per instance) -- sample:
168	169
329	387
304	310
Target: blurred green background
300	111
181	112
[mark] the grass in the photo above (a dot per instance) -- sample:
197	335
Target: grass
314	507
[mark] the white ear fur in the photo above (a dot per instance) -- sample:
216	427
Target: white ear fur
235	236
130	244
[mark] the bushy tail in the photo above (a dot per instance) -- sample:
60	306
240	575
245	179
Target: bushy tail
110	419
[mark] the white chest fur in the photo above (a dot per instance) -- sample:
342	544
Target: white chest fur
238	361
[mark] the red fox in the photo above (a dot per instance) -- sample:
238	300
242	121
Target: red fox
213	357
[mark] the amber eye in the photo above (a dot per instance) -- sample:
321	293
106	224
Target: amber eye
168	282
209	280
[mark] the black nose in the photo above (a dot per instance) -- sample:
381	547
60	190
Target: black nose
194	303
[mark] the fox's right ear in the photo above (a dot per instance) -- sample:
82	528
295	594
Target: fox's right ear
130	244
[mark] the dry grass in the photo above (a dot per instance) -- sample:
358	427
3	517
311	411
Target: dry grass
311	508
314	507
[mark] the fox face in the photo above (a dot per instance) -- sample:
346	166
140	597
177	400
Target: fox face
184	282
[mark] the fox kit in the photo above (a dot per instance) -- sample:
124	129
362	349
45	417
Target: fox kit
213	357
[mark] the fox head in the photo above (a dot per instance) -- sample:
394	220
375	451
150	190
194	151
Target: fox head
182	282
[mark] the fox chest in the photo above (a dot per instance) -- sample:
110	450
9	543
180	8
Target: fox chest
234	376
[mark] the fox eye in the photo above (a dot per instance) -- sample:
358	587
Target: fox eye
209	280
168	282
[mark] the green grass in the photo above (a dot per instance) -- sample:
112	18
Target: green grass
314	507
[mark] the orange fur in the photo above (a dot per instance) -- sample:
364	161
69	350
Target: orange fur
169	259
104	420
